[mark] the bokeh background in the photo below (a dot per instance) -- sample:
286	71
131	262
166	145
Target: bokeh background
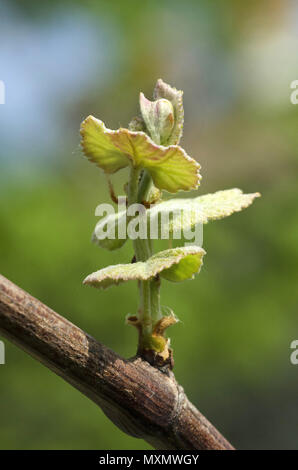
235	61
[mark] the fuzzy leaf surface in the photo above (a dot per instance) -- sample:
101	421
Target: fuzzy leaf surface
175	264
170	167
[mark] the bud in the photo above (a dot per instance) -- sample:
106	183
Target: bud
159	118
154	195
164	91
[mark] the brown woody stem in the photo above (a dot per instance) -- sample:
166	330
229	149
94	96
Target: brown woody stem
138	398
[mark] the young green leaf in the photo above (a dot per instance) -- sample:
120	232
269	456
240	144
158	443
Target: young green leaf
98	148
170	167
175	264
186	213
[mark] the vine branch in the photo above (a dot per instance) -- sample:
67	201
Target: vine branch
140	399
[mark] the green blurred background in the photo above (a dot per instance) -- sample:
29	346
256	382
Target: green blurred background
61	61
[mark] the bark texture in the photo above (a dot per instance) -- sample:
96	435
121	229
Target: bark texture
140	399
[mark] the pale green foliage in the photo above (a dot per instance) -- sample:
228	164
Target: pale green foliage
177	264
189	212
99	148
170	167
202	209
150	148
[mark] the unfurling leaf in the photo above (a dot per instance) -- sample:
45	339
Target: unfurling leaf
159	118
186	213
170	167
98	148
163	90
176	265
